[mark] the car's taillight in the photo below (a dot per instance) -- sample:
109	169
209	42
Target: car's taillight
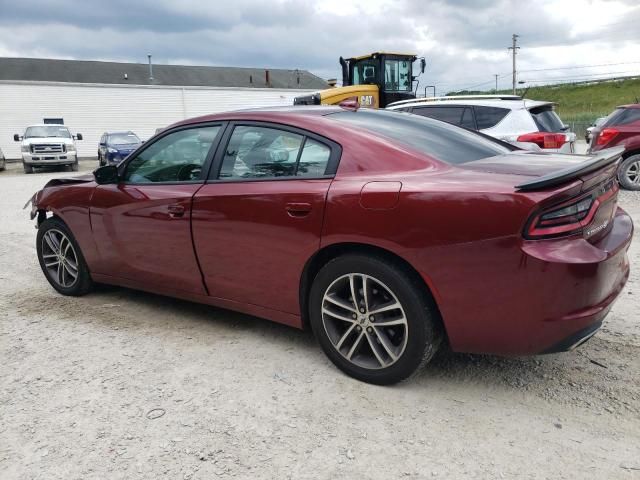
571	217
606	135
544	139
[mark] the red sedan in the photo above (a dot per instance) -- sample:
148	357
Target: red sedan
384	232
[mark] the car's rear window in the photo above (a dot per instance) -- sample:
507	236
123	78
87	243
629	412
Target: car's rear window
622	116
437	139
546	119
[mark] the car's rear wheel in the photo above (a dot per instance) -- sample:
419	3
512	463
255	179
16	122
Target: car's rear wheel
61	259
373	319
629	173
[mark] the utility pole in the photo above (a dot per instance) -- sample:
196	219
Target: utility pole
515	49
496	75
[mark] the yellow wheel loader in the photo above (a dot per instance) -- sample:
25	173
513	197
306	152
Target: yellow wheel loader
375	80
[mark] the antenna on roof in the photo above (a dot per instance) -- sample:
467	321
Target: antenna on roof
150	67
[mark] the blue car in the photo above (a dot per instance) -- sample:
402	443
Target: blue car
116	146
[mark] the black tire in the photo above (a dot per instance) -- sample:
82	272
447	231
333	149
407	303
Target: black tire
74	166
83	282
100	161
422	330
27	168
629	172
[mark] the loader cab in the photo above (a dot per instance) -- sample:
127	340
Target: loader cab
391	72
375	80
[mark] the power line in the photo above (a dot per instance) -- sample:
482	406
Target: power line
607	74
578	66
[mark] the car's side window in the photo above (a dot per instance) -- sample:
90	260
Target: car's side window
467	119
256	152
313	159
177	157
487	117
446	114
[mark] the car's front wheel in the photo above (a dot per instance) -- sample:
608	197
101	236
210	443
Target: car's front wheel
373	319
629	173
61	259
27	168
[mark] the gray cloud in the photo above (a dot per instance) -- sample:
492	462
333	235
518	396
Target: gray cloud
465	41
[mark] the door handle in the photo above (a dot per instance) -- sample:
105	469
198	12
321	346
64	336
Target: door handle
298	209
176	210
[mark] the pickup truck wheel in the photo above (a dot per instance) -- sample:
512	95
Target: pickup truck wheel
373	320
629	173
61	260
27	168
74	166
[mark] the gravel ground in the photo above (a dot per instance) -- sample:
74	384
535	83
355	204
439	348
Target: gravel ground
123	384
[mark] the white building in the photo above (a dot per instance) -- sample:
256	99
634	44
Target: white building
95	97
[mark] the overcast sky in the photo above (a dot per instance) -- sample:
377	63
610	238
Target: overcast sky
465	41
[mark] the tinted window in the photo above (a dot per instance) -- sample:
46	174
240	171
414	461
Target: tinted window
177	157
623	116
546	119
487	117
262	152
462	116
446	114
439	140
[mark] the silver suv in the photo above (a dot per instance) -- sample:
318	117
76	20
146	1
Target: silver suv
526	123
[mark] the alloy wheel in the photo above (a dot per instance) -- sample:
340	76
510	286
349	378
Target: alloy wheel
365	321
60	258
633	172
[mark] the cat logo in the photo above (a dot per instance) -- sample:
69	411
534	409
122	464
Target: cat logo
367	101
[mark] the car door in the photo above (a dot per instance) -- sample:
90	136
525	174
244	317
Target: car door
258	219
142	225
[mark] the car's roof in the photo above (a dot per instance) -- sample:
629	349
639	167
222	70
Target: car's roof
265	114
119	132
630	105
46	125
512	103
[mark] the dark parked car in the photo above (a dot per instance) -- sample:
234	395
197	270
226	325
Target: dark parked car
386	233
622	129
115	146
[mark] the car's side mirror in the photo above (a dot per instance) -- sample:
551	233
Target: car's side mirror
78	136
423	64
17	138
106	175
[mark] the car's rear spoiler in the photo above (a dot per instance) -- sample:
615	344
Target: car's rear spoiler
600	160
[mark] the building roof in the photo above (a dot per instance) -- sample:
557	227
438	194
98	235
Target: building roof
82	71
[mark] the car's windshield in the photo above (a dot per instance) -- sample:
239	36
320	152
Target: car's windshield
437	139
123	139
47	131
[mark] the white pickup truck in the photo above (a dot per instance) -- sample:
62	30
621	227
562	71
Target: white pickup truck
44	145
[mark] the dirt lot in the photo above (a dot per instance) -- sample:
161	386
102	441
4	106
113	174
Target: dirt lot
83	380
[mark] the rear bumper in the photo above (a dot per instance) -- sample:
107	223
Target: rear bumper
549	296
576	339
